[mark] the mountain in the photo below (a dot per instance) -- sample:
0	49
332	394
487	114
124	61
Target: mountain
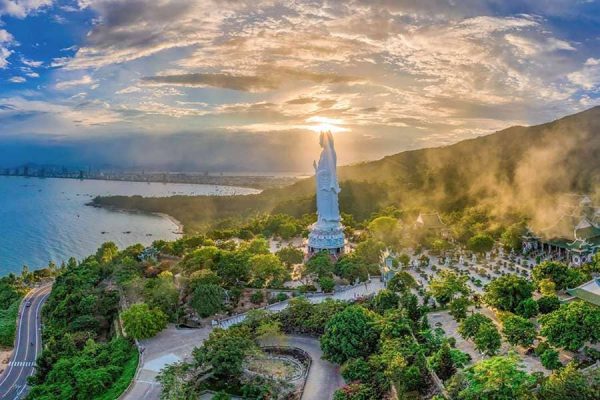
519	169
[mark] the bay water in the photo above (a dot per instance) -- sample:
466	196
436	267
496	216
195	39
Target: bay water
46	219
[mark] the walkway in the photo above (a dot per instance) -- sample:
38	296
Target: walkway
173	345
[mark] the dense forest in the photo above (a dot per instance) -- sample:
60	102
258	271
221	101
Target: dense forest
519	169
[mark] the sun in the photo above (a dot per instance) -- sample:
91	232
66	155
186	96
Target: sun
323	124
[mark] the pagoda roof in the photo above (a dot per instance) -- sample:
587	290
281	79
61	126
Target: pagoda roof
586	232
430	220
589	291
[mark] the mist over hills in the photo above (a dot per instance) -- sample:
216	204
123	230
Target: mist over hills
520	169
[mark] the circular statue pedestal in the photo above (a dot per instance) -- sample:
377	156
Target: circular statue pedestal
326	237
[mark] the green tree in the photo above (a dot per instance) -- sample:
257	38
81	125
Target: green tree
267	270
511	237
547	287
385	300
447	284
497	378
459	307
162	293
567	383
469	327
572	325
256	246
290	255
385	229
320	265
327	284
528	308
225	351
487	340
207	300
351	268
355	391
442	362
107	252
370	372
369	251
233	267
506	292
141	322
519	331
547	304
480	243
550	359
404	259
351	333
561	274
402	281
203	277
199	259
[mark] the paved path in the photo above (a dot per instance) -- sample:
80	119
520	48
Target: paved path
324	378
13	382
173	345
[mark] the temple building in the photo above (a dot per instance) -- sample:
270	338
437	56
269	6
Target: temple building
589	291
574	238
327	234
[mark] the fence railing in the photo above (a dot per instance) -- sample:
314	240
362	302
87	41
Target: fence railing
281	305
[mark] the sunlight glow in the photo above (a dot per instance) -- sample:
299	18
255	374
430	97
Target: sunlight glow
322	124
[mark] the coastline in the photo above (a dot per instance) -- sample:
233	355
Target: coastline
257	182
175	221
180	226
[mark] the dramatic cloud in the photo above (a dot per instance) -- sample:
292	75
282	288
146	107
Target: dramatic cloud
391	75
271	78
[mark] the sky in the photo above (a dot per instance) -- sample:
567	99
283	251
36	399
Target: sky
246	84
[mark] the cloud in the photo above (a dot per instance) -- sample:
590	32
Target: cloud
85	80
31	63
132	29
588	77
22	8
270	78
6	39
17	79
4	54
432	71
528	46
52	118
5	36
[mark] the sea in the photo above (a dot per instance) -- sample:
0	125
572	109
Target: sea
47	219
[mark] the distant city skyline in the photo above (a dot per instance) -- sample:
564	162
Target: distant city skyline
244	85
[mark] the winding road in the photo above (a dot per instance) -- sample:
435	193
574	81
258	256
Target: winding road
13	382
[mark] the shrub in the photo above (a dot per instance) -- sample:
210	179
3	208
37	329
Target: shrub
208	300
257	297
528	308
327	284
550	360
547	304
141	322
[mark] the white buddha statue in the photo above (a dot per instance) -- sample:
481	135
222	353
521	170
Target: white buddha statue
327	185
327	233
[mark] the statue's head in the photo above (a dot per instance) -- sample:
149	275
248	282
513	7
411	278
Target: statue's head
326	139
